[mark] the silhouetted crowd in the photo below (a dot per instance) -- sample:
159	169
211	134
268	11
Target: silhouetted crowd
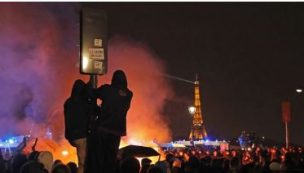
257	160
35	162
185	160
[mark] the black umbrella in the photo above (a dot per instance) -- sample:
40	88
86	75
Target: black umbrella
137	151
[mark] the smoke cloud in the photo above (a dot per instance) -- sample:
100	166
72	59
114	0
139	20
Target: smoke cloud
39	62
142	67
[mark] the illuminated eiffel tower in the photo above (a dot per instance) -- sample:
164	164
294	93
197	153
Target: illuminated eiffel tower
198	130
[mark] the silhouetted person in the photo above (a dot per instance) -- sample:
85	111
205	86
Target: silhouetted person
145	165
77	112
72	166
18	161
61	168
32	167
111	125
130	165
57	162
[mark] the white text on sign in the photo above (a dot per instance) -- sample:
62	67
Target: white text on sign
96	53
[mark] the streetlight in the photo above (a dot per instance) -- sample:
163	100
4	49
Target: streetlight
192	110
299	90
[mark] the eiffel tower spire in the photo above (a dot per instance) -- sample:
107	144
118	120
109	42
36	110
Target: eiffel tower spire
198	130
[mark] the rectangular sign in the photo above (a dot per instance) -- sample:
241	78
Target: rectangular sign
96	53
93	42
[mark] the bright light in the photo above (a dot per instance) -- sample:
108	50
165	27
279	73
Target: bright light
85	62
11	141
65	152
192	110
299	90
134	142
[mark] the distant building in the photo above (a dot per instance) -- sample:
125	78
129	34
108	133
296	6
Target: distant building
198	130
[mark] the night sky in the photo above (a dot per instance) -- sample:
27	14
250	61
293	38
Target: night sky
249	57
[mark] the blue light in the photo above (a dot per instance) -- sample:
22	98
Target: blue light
206	140
11	141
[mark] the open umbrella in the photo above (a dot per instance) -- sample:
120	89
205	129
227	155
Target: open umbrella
137	151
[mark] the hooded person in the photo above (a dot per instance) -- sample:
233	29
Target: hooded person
78	110
75	113
111	125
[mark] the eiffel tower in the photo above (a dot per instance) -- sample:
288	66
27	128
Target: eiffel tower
198	130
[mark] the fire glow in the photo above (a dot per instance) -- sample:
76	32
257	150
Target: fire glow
40	62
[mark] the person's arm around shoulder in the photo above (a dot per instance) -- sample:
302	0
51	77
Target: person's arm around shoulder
101	91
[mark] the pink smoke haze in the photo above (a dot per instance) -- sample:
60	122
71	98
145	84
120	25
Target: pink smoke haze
39	62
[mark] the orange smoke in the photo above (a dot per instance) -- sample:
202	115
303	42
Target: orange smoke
42	60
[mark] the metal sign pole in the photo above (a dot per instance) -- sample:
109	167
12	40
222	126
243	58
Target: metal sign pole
93	80
286	134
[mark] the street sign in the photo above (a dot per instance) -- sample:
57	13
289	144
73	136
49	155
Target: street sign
93	41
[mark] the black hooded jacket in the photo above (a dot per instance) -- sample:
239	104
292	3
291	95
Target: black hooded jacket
77	112
116	99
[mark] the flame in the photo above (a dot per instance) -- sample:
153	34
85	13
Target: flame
61	150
